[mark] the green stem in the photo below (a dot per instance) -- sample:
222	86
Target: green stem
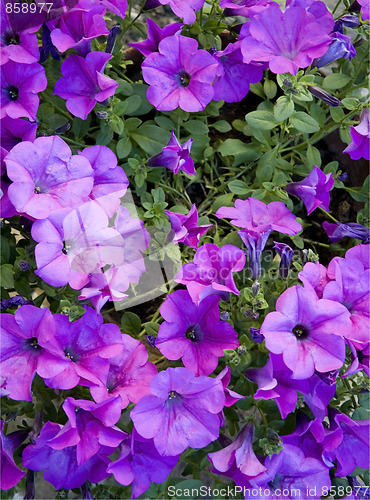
336	6
328	215
350	390
313	243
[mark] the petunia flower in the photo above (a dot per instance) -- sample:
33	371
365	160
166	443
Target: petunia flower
360	145
139	464
194	333
11	474
118	7
47	177
184	9
286	254
47	46
13	131
61	467
155	35
313	190
212	271
175	156
179	75
365	9
246	8
20	84
307	331
338	231
84	84
316	275
184	228
181	411
287	40
340	48
129	374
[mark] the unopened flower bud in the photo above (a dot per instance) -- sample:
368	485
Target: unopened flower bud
324	96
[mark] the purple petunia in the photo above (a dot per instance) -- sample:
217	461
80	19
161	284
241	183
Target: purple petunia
340	47
84	84
155	35
20	84
10	473
313	190
175	156
179	75
194	333
181	411
212	271
47	177
338	231
359	147
287	40
184	9
307	331
247	8
184	228
286	254
139	464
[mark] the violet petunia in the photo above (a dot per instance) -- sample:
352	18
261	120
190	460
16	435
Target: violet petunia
129	374
360	360
313	190
60	466
181	411
20	84
340	48
11	474
307	331
90	426
316	275
139	464
13	131
84	84
286	254
365	9
338	231
47	177
360	145
87	345
211	271
155	35
28	347
194	333
184	9
179	75
287	40
118	7
246	8
185	229
231	396
175	156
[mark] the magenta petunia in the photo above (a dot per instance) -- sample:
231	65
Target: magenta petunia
11	474
20	84
365	9
179	75
118	7
129	374
184	9
181	411
155	35
316	275
47	177
139	464
193	332
84	84
211	271
287	40
360	145
175	156
307	331
313	190
247	8
338	231
185	229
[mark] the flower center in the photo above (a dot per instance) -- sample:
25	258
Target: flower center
37	190
193	333
173	395
300	331
184	78
32	342
12	92
10	38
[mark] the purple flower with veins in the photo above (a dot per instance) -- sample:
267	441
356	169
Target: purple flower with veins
184	9
239	453
110	180
84	84
185	229
315	274
90	426
231	397
340	47
60	466
139	464
313	190
182	410
10	473
360	145
47	177
338	231
179	75
233	75
175	156
286	254
211	271
118	7
360	360
155	35
20	84
28	347
247	8
14	131
360	252
77	28
129	374
307	331
73	246
193	332
87	345
286	40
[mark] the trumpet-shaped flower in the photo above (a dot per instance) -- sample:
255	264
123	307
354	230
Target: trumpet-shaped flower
360	145
155	35
175	156
184	228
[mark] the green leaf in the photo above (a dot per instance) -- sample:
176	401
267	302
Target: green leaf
222	126
270	89
123	148
238	187
150	138
265	120
313	156
131	323
336	81
241	151
304	122
284	108
152	328
196	127
7	276
337	114
225	200
265	167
